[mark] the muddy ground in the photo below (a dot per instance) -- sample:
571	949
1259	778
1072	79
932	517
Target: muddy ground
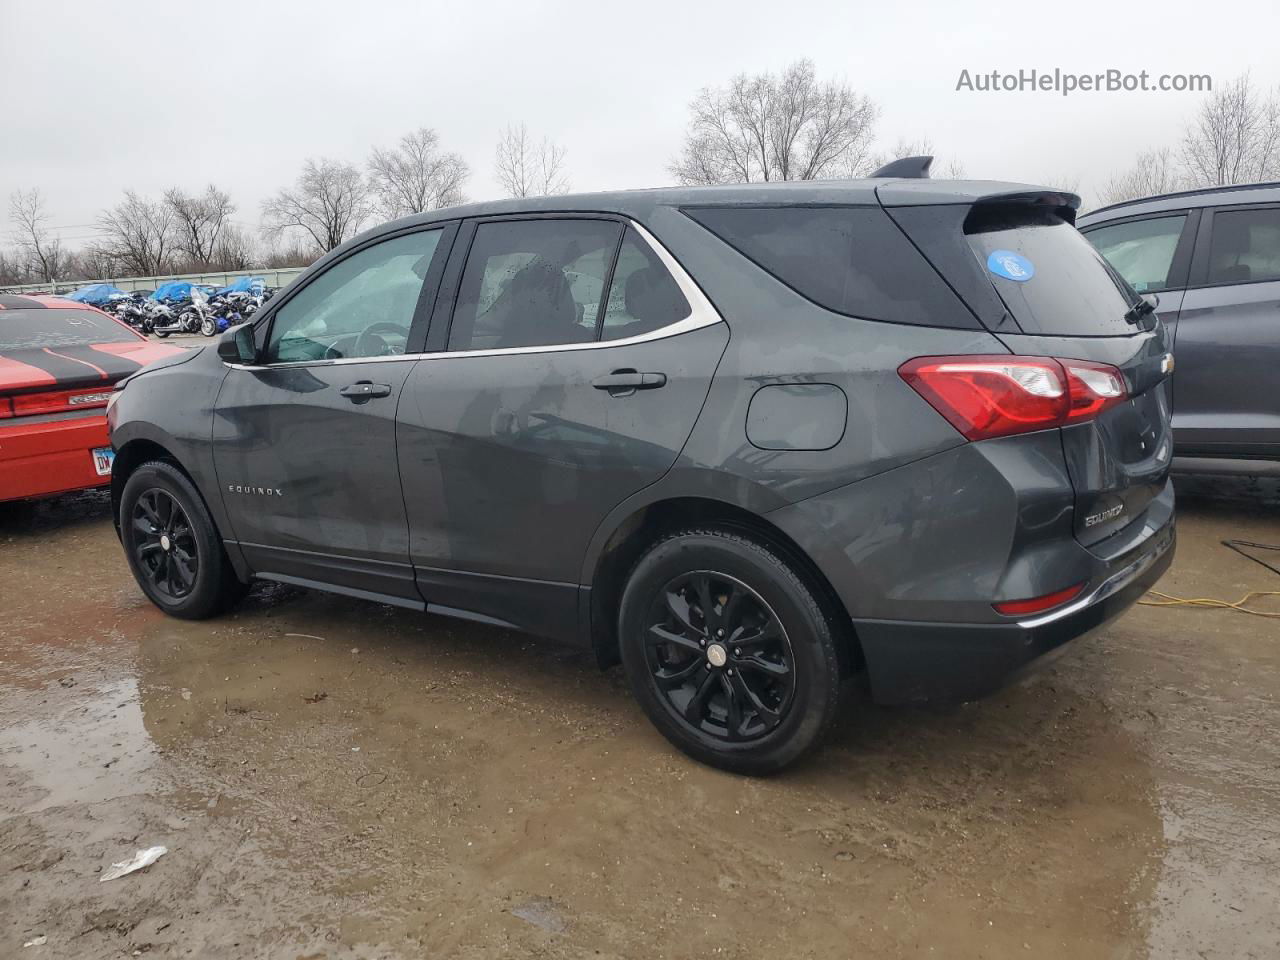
338	779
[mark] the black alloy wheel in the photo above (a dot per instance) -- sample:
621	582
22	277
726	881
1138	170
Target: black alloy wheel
719	657
164	544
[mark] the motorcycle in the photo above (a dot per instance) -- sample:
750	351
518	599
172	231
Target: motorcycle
133	311
167	321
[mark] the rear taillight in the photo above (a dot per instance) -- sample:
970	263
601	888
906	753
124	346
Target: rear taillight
995	396
33	404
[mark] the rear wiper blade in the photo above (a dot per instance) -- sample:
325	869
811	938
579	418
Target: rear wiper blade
1139	310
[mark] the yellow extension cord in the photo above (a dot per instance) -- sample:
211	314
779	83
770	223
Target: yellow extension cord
1168	600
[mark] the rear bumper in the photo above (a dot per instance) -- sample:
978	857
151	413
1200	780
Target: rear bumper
51	457
912	662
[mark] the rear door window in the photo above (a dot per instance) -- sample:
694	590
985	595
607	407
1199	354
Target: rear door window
1049	276
853	260
533	283
1244	246
1141	250
26	329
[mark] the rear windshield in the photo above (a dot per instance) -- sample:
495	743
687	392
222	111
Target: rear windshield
25	329
1049	276
853	260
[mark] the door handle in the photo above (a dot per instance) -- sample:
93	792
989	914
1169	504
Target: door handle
365	390
622	383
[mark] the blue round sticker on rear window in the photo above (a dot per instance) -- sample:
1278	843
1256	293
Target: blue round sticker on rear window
1010	265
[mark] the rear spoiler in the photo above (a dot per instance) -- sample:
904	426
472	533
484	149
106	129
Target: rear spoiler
988	194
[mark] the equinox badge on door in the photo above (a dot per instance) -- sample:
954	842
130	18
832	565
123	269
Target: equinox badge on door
259	491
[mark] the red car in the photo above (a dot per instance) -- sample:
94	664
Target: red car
59	363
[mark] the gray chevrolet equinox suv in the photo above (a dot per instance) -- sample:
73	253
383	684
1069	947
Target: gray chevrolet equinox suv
1212	257
750	441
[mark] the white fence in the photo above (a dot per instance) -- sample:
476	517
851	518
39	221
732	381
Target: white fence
274	278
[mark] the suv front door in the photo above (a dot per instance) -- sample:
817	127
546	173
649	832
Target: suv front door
571	369
304	440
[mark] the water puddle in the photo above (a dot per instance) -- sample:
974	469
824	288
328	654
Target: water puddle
91	750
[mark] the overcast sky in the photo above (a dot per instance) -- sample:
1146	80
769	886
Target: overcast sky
96	98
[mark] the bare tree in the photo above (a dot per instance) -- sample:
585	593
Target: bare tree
138	235
529	169
415	176
1153	172
12	270
295	255
1235	138
235	250
91	263
328	204
42	251
199	221
767	127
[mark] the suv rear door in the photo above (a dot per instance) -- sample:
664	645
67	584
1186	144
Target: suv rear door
1228	340
567	362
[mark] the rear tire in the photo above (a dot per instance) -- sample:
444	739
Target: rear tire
753	685
172	545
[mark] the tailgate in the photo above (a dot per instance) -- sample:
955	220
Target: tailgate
1034	281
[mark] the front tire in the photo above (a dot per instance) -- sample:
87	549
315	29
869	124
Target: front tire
172	545
208	326
729	650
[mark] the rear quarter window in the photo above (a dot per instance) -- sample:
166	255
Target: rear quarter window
852	260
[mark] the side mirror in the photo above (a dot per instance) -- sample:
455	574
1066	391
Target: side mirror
237	345
1153	299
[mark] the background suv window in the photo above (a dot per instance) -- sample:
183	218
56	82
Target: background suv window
362	306
1141	250
643	296
533	283
1245	246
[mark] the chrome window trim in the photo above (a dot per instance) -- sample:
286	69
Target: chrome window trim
701	314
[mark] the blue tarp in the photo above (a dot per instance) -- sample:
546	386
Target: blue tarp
243	285
173	290
96	294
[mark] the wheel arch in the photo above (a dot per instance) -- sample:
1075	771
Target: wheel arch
628	539
145	448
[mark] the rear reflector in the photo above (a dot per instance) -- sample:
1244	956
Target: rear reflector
996	396
1019	608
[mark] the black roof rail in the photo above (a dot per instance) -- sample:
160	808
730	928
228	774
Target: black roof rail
1194	192
908	168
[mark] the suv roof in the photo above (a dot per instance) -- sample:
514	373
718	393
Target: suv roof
890	192
1182	199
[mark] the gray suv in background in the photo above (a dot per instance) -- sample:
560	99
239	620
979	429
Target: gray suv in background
1212	257
751	441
